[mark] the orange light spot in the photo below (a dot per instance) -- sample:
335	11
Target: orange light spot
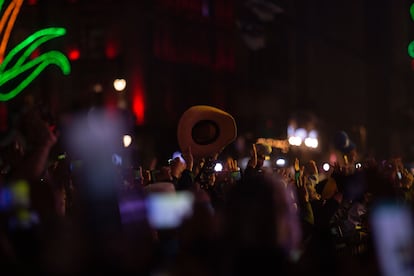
7	20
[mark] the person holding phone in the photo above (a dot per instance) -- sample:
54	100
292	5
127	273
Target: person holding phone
255	165
182	171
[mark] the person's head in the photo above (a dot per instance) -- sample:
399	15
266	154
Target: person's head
310	168
259	214
262	151
161	175
352	155
177	166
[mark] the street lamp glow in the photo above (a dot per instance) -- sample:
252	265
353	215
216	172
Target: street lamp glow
218	167
301	132
295	141
281	162
127	140
119	84
311	142
313	134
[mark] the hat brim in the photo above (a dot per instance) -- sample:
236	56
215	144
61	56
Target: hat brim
221	128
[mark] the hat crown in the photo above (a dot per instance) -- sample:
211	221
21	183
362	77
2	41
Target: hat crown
206	129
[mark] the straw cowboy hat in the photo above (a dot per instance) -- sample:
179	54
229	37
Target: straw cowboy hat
206	129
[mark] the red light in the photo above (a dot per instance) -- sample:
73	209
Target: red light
138	107
138	96
111	50
74	54
35	54
32	2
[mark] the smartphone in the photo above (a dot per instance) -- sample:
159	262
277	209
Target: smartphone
168	210
393	236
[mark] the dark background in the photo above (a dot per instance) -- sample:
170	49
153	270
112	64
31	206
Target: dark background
336	65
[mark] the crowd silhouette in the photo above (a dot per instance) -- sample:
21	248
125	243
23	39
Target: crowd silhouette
68	208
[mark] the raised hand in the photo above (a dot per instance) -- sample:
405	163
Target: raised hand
253	156
188	158
231	165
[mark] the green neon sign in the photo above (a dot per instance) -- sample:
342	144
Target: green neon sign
17	62
411	49
411	44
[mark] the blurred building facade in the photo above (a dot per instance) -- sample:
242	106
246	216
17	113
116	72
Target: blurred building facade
261	61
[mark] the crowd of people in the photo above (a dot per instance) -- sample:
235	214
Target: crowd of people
76	213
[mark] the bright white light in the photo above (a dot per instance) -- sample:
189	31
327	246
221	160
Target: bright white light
301	132
295	141
313	134
281	162
119	84
358	165
290	131
311	142
178	154
127	139
218	167
326	167
308	142
168	210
